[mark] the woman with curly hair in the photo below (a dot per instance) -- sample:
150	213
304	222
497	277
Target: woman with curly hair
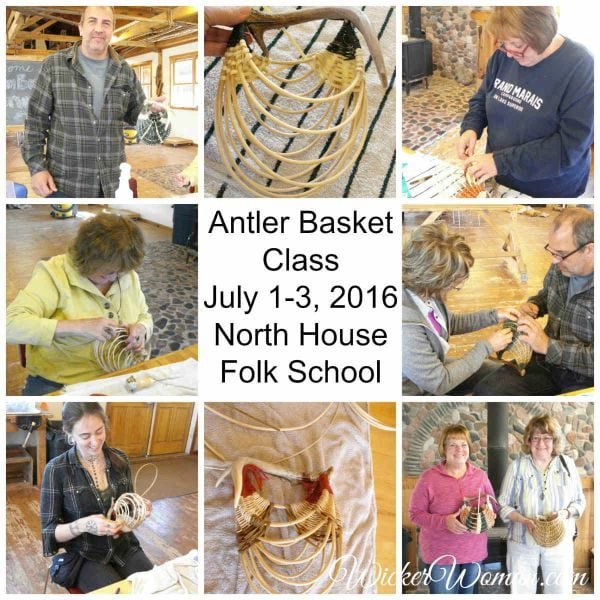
76	298
434	262
541	482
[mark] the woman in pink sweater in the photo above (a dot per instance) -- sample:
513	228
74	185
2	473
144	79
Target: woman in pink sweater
452	552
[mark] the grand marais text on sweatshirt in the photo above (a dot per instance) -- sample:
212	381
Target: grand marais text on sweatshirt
540	121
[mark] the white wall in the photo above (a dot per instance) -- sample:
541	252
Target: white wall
185	122
156	213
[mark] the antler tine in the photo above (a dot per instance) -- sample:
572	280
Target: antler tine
237	468
259	22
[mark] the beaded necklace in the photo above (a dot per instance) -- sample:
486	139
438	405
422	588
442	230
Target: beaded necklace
91	463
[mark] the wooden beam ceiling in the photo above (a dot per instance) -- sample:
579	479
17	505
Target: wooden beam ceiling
139	28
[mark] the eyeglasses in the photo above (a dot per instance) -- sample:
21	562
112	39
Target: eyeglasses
517	52
546	439
561	257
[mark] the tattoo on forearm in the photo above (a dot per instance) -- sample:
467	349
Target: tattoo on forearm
74	529
91	527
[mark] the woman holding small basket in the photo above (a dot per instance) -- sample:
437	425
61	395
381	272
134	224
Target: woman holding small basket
541	497
452	538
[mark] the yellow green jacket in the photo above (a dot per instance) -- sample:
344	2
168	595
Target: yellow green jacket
191	172
58	292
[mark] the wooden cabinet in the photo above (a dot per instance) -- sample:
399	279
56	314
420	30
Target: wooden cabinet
161	426
130	424
171	427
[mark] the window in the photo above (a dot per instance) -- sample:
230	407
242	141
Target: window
143	72
184	84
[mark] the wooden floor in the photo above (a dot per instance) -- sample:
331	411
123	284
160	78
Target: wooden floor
139	156
171	531
493	283
31	234
383	450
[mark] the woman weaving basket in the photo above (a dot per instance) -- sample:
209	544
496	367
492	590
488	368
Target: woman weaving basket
434	263
91	293
541	496
78	489
448	542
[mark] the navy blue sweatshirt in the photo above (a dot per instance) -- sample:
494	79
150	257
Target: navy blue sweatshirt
540	121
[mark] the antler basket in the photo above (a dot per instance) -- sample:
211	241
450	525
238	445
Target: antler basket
477	518
548	531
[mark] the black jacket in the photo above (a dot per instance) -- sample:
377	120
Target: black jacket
68	494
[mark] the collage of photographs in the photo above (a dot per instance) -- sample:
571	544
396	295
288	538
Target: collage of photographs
300	106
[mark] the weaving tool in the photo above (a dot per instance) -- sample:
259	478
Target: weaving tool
320	119
518	353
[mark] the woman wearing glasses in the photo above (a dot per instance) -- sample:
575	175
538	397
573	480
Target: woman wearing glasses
537	101
541	483
452	553
435	262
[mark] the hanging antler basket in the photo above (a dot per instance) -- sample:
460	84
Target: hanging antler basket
290	128
297	552
548	531
154	127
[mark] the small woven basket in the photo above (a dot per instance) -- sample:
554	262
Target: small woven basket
549	531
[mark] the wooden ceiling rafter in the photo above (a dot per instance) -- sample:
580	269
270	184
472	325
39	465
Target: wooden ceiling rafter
146	29
44	25
177	14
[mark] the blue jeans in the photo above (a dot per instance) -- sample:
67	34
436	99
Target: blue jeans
454	578
39	386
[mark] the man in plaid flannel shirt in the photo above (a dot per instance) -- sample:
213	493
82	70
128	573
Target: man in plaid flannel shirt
73	142
563	351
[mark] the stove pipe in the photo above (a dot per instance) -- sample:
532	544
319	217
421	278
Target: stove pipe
414	22
497	430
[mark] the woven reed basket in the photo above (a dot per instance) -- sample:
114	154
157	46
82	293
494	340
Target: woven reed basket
548	531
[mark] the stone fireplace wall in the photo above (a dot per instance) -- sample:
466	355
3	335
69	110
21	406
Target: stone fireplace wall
453	35
422	423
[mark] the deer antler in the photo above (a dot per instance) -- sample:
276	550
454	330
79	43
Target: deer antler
259	22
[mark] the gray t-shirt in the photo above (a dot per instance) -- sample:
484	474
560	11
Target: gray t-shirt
95	73
577	283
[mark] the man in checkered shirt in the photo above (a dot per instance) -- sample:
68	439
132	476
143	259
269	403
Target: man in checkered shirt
563	351
73	142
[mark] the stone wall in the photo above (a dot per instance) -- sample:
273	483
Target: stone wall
423	422
453	35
